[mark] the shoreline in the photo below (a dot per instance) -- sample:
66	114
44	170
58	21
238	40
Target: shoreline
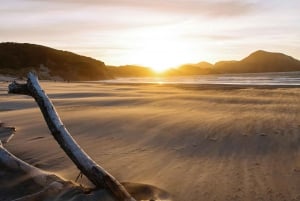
203	86
240	142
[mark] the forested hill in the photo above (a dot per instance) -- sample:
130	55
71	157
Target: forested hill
19	58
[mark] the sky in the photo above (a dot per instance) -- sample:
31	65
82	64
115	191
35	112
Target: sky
155	33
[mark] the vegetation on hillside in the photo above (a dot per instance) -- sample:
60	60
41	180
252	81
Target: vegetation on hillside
19	58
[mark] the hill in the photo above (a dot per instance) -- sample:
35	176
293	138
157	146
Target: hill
131	71
202	68
258	62
19	58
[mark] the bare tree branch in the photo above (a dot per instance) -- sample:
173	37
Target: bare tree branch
95	173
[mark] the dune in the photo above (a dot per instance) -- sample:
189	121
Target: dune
197	143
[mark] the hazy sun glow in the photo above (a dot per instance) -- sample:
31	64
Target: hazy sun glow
161	49
156	34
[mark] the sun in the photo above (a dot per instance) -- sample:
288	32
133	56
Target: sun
161	50
160	56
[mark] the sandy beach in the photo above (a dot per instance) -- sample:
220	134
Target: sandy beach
197	143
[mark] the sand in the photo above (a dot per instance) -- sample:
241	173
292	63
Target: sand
197	143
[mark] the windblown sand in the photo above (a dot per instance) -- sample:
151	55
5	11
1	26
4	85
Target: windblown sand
197	143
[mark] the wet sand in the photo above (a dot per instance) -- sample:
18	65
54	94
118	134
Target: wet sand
198	143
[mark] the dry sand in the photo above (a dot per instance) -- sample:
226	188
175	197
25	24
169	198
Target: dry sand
197	143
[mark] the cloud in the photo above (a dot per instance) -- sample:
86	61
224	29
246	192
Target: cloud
112	25
208	8
210	37
41	18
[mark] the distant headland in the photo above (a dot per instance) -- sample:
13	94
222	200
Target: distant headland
16	59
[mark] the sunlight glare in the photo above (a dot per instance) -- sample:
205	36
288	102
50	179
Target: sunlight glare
162	49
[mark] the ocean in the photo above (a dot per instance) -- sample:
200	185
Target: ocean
274	78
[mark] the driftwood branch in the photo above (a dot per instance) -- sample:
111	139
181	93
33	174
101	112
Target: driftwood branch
51	183
95	173
15	163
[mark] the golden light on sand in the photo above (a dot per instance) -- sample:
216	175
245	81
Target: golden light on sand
233	137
